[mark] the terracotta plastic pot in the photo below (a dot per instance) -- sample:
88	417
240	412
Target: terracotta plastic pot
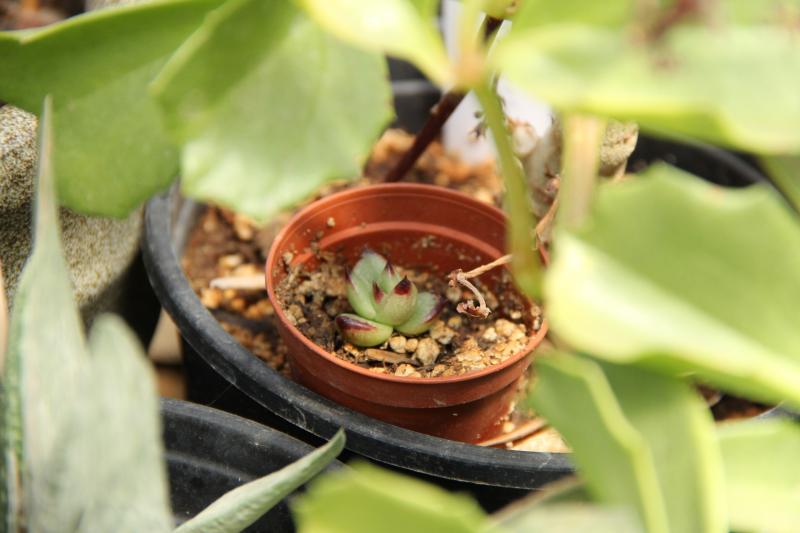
419	226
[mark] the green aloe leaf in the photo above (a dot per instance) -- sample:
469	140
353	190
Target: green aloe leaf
111	150
9	491
118	443
366	499
762	474
685	277
296	108
403	28
606	58
43	368
639	439
242	506
83	431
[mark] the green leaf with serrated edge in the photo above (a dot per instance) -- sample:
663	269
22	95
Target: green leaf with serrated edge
597	59
111	150
641	439
242	506
762	474
685	277
405	29
785	171
117	443
265	131
367	499
427	308
679	430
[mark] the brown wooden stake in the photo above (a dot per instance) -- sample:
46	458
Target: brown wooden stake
439	115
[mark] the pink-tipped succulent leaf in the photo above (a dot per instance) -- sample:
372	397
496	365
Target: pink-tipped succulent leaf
389	277
362	332
427	308
382	300
397	306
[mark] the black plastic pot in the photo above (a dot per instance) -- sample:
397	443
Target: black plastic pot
210	452
230	377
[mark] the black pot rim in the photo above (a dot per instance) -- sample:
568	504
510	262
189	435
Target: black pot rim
187	414
317	415
366	436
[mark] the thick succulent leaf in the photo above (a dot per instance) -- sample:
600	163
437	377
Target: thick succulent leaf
595	58
117	442
397	305
683	276
402	28
573	517
360	294
266	130
91	452
242	506
42	380
639	439
785	171
3	320
370	266
762	474
427	308
111	150
9	476
362	332
389	277
366	499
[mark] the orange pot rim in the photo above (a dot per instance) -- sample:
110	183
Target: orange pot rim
272	259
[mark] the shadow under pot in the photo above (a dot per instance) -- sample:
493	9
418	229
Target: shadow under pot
427	229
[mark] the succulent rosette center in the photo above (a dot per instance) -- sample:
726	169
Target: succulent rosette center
384	301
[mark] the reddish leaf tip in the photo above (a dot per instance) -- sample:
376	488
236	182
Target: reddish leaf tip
403	287
377	293
346	322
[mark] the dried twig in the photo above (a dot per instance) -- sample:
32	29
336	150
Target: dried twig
459	277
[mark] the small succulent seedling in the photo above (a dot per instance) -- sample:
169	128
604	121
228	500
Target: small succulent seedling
383	302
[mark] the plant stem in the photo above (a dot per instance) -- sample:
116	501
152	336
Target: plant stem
439	115
525	262
582	137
